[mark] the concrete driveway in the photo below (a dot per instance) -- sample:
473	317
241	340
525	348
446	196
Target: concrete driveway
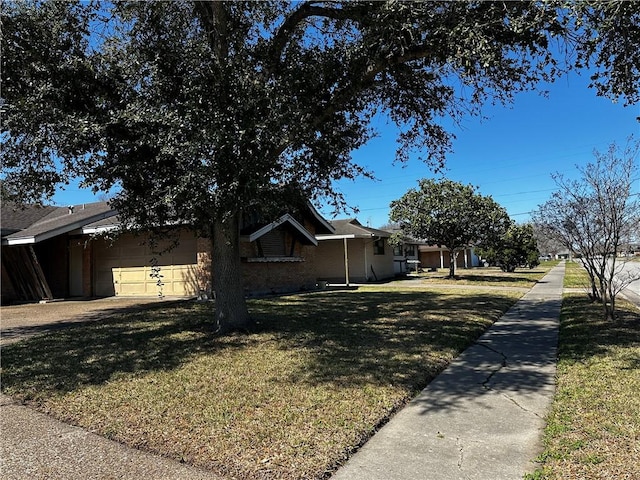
20	321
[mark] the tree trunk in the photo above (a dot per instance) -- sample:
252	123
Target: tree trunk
452	263
231	308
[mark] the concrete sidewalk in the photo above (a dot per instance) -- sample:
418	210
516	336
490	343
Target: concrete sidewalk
35	446
482	418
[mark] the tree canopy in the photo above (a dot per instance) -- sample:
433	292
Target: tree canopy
450	214
515	248
198	111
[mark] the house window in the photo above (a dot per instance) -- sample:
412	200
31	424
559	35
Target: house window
378	247
397	251
410	250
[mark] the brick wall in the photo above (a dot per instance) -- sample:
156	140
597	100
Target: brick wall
266	275
280	275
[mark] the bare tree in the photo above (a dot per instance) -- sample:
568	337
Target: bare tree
596	217
547	242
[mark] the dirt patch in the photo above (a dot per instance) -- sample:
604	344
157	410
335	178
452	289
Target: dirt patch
20	321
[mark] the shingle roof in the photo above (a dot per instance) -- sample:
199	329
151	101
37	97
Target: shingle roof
405	238
352	226
57	221
14	218
34	224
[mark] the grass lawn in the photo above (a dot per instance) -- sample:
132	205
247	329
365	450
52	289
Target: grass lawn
593	429
291	400
576	276
490	276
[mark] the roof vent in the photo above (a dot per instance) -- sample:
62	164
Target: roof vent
70	209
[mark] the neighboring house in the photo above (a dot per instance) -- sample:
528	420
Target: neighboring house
433	256
354	253
56	252
406	258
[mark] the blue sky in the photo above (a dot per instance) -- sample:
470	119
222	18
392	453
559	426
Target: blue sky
510	156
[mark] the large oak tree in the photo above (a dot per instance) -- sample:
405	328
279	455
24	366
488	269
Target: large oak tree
195	111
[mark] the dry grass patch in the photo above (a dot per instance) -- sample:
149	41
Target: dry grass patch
490	276
291	400
593	430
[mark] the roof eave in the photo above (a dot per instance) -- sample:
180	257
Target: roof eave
286	218
343	236
323	221
56	231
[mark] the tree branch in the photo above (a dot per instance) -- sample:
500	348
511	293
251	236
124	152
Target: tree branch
307	10
214	19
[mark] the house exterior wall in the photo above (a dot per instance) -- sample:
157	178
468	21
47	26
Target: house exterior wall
279	274
432	259
203	269
264	275
102	267
382	264
330	260
402	255
363	262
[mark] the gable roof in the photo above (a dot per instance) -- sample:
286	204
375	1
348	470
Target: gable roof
57	221
322	225
352	228
286	219
106	224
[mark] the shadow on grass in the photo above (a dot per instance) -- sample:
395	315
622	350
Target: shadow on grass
24	329
487	277
100	345
359	338
585	334
401	338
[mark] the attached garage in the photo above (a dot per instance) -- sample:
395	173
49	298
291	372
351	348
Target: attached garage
127	267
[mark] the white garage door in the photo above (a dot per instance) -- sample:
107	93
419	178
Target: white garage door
125	268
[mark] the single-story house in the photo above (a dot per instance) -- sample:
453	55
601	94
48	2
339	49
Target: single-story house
354	253
61	252
433	256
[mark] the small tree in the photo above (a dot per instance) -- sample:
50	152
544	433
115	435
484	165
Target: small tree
596	216
516	248
449	214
